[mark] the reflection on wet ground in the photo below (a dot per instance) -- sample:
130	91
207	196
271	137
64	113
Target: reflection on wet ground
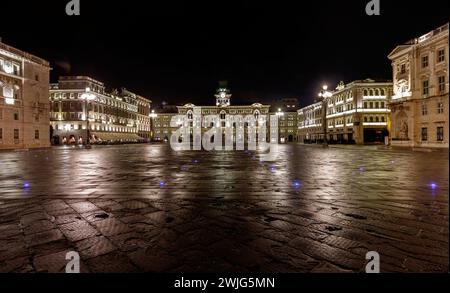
147	208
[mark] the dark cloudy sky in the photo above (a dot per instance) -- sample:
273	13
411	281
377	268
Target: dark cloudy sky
177	51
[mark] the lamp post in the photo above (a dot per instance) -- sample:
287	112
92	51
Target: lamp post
87	96
324	94
279	114
152	115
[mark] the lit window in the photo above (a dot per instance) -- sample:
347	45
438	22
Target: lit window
8	92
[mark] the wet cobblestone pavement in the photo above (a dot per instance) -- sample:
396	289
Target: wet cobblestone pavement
145	208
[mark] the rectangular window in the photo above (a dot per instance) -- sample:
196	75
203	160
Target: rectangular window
1	133
441	82
440	107
1	114
424	109
16	69
16	115
441	55
403	68
36	134
424	134
425	61
16	133
425	90
440	133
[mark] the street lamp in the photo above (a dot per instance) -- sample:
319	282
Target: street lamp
279	114
152	115
87	96
324	94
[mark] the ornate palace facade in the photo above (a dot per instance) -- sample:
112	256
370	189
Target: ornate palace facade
419	107
24	82
222	107
356	112
81	108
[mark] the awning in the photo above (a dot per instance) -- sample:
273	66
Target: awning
116	136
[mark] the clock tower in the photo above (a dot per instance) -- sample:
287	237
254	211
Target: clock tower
223	95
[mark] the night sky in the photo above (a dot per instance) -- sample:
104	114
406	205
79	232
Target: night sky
177	51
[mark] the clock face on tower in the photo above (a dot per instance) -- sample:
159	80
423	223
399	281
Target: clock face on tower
222	95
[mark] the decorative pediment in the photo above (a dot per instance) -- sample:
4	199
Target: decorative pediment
398	49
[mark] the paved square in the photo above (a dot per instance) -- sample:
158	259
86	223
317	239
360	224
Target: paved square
134	208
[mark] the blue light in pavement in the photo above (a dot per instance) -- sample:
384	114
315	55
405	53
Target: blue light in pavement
26	185
162	183
433	185
273	169
296	184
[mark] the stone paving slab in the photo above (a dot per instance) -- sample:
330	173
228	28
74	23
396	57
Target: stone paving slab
145	208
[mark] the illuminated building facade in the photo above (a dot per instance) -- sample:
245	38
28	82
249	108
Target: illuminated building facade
81	108
419	106
24	118
286	110
356	112
310	123
223	108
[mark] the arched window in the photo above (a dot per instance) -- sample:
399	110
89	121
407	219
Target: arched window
371	92
382	118
256	114
371	119
377	119
222	115
377	92
382	92
365	93
189	115
365	119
